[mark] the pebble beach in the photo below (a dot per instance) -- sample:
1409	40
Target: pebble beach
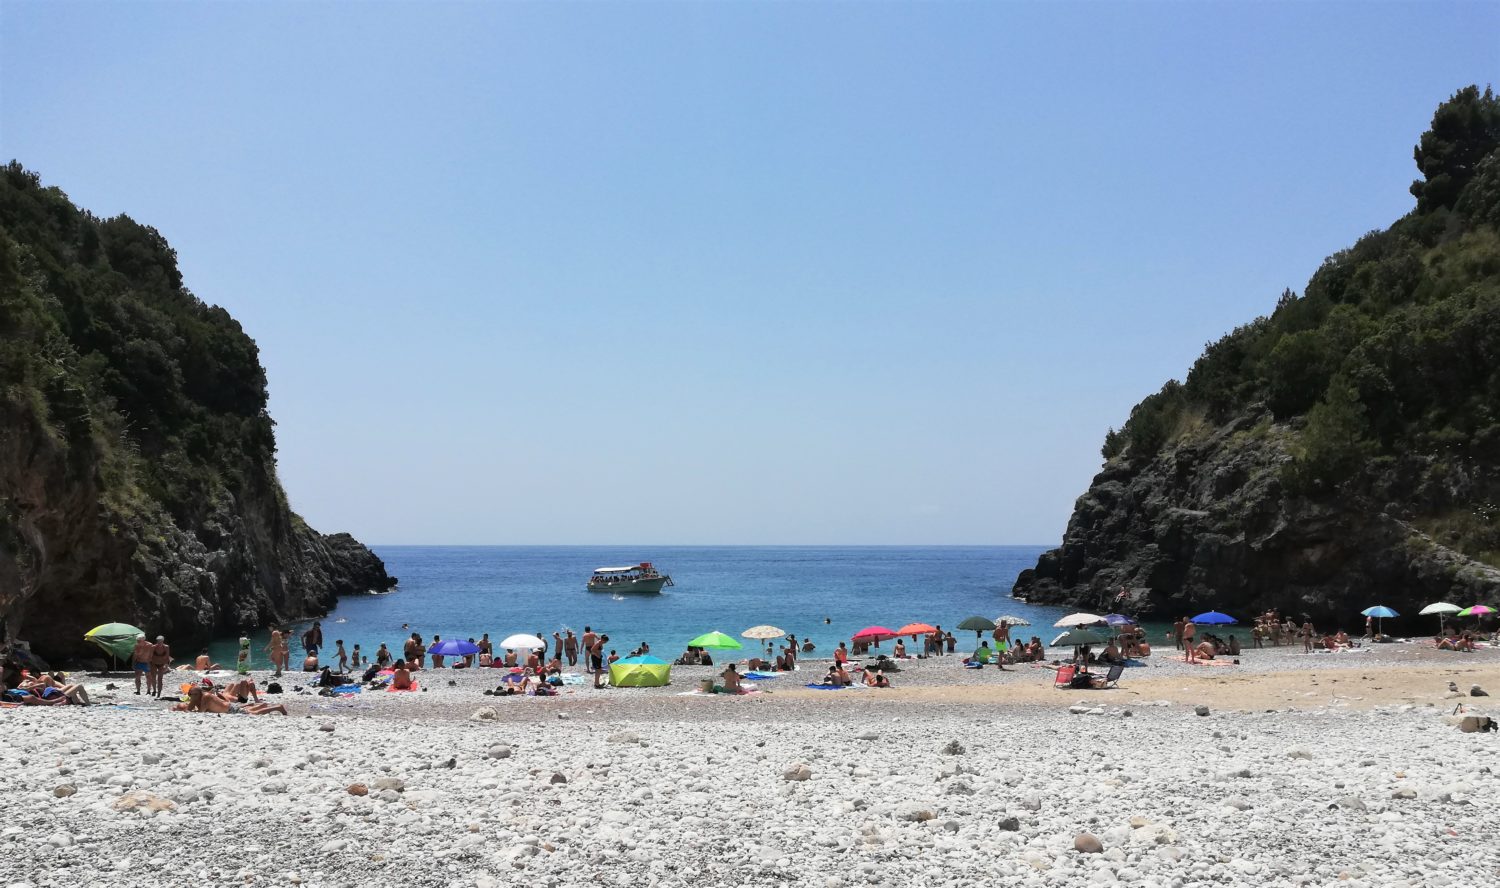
1289	768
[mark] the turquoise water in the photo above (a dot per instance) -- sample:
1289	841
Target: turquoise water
816	592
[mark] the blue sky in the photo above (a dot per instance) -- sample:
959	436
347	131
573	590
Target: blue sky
728	273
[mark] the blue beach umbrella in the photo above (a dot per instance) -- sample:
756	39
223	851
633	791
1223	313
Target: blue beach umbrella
1379	612
453	648
1119	620
1214	618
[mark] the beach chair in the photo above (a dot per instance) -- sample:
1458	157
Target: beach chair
1112	680
1064	677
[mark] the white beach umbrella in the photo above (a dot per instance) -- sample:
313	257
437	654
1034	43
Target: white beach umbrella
523	642
1013	621
1072	620
1442	609
762	632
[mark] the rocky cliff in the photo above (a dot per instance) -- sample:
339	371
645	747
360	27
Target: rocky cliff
1341	452
137	469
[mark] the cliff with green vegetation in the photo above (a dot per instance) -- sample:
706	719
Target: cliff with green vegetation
137	460
1338	453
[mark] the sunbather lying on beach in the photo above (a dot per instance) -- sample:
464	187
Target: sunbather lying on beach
43	690
1205	650
876	679
200	700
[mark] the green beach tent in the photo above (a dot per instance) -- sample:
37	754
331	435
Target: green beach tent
640	672
116	639
715	641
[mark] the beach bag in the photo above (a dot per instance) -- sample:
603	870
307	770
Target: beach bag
273	688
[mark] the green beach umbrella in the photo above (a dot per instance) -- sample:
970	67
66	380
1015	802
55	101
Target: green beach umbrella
715	641
1077	637
117	639
977	625
640	672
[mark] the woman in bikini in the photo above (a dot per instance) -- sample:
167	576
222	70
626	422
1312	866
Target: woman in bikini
277	650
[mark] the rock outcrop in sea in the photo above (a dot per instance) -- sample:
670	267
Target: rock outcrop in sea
137	460
1343	451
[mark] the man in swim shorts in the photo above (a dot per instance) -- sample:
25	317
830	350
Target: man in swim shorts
141	657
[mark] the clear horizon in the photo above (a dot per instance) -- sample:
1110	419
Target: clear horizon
860	274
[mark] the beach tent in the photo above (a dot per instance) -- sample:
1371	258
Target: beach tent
115	639
1379	612
522	642
1214	618
716	641
1072	620
640	672
1440	608
976	625
454	647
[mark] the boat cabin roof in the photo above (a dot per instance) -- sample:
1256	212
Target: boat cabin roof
616	570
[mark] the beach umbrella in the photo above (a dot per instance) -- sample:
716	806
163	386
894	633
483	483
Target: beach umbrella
1214	618
1440	608
523	642
874	633
1379	612
116	639
717	641
1477	610
1014	621
454	647
762	632
640	672
915	629
1119	620
1078	637
1072	620
976	625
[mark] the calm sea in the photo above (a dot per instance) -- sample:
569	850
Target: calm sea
817	592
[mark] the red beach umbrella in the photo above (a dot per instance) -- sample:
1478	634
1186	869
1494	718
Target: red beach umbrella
875	633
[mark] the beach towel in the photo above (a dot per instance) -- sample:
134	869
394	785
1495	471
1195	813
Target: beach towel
347	689
572	678
823	687
394	688
756	676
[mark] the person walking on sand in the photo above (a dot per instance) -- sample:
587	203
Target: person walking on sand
140	660
342	655
570	648
161	661
1189	632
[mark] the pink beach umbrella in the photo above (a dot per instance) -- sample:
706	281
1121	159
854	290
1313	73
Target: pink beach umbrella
876	634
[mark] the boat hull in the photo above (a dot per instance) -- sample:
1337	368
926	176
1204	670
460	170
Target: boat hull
646	586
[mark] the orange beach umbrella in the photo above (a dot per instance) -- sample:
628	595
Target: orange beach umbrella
915	629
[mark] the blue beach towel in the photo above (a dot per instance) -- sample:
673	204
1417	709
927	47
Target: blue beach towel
348	689
818	687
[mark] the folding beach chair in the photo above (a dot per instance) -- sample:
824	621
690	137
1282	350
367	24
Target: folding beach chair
1112	680
1064	677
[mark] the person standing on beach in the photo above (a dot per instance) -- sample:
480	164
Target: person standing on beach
596	658
570	648
1189	632
557	637
277	650
841	654
312	639
1176	632
437	659
382	656
589	639
950	642
342	655
161	661
1307	634
140	660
